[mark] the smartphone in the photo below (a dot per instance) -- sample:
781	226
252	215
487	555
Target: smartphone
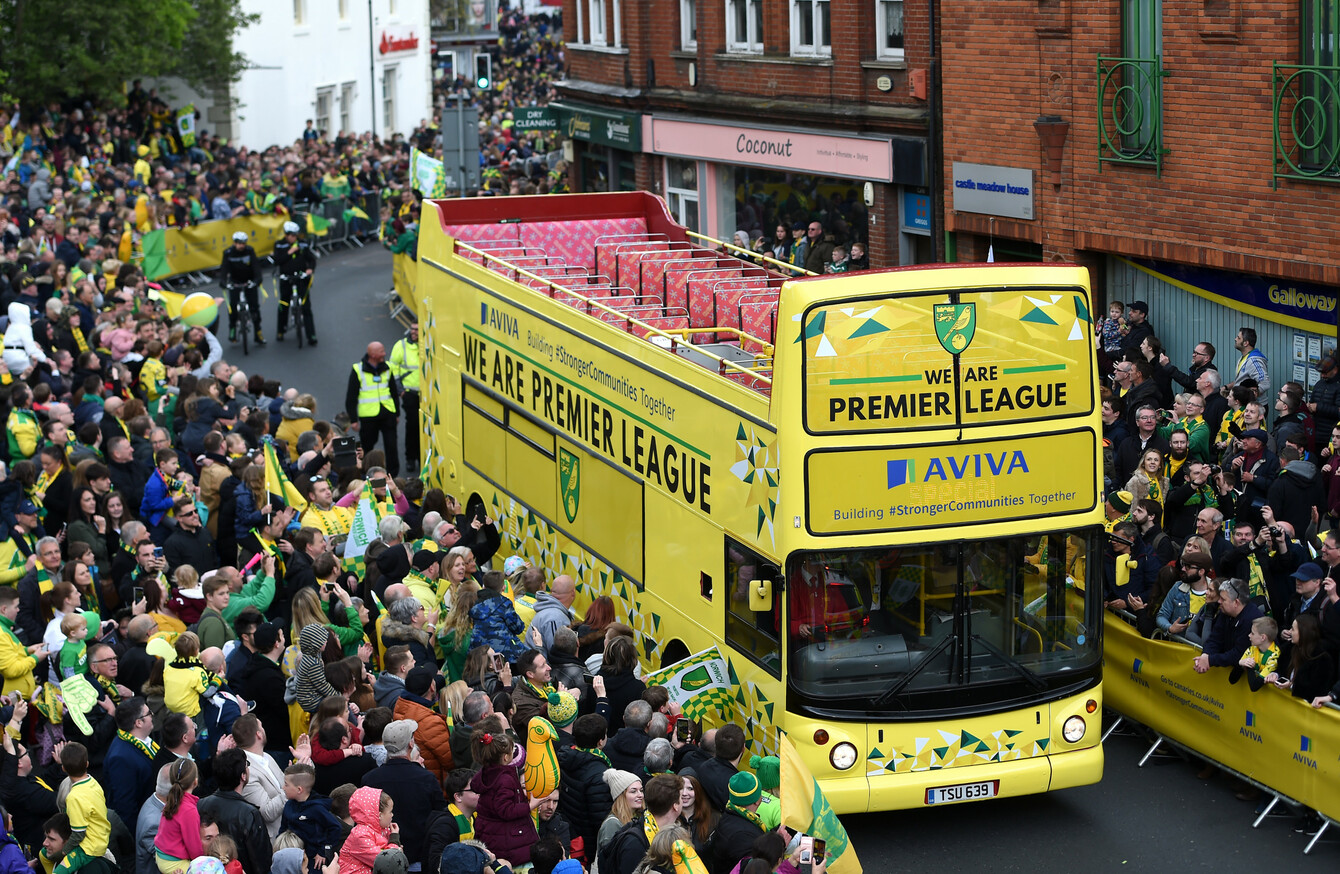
806	855
345	451
329	587
158	552
820	849
498	662
683	729
136	595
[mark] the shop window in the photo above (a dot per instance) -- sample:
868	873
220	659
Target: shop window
889	33
744	26
324	97
688	24
811	32
681	191
756	634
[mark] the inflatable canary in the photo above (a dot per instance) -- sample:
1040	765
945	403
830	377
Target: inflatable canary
686	859
541	772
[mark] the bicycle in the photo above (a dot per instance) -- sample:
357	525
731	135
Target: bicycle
244	316
295	304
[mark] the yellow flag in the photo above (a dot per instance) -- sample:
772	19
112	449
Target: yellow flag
277	482
805	809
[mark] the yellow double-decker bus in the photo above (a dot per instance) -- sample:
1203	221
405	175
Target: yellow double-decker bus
874	493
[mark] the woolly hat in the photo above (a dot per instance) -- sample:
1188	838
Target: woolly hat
1120	501
744	789
420	680
513	564
391	860
769	771
619	781
562	709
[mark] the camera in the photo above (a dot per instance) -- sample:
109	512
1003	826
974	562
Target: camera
1215	470
1165	415
1275	531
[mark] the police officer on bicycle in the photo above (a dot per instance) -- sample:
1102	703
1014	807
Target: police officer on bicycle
295	261
241	271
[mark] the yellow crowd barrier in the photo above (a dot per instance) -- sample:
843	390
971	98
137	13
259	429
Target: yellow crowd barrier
404	276
1268	736
174	251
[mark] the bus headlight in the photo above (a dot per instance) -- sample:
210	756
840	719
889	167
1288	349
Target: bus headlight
1073	729
843	756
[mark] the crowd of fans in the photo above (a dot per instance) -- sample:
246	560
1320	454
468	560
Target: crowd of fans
1224	505
194	680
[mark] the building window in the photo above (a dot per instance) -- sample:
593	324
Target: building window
810	28
343	10
688	24
1316	109
299	13
754	633
744	26
388	101
596	18
391	7
889	33
347	106
322	114
1142	45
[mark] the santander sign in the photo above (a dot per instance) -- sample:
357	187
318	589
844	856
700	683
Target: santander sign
391	44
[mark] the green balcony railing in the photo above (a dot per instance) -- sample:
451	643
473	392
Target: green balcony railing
1307	122
1130	111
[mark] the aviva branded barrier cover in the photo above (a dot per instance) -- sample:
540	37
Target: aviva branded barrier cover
1275	739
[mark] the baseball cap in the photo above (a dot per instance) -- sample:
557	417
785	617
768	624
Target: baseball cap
27	508
398	736
1309	571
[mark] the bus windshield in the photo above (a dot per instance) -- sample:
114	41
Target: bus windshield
884	626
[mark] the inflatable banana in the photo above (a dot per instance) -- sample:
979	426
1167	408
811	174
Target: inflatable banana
541	771
686	859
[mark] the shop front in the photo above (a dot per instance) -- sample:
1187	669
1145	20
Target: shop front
726	177
1188	304
604	145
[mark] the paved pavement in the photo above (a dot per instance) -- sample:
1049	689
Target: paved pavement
1159	817
349	305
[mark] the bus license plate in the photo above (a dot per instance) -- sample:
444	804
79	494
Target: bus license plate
962	792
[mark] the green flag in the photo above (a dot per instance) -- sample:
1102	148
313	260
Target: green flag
698	684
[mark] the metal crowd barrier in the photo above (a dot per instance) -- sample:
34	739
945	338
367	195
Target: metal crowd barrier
1290	807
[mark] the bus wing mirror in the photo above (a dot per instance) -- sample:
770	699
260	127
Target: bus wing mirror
760	596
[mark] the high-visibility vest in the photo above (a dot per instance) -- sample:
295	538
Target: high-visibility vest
405	364
374	393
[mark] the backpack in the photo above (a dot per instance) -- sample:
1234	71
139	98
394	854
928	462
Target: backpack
606	859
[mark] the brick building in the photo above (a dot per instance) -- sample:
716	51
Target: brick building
1140	139
745	113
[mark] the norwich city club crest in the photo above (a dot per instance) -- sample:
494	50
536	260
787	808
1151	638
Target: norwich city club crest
955	323
569	482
